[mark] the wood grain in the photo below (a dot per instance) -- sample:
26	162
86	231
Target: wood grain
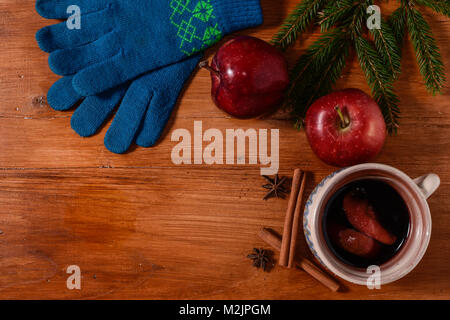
141	227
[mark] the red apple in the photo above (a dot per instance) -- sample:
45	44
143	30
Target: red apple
345	128
362	216
249	77
354	241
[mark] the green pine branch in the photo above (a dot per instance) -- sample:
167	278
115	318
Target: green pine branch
355	22
297	22
397	21
380	82
427	52
440	6
343	26
316	72
335	14
388	47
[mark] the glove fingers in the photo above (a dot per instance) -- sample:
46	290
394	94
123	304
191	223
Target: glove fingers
59	36
94	111
58	9
170	82
128	118
113	72
157	116
62	96
70	61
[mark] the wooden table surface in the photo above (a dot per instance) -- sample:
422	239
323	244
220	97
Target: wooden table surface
139	226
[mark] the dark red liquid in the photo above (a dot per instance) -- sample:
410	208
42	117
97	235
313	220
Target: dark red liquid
391	212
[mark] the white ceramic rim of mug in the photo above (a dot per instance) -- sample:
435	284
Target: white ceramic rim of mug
330	260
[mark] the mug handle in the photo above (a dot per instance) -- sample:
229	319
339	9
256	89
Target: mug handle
428	184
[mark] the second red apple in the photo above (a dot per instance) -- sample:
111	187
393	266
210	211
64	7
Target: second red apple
249	77
345	128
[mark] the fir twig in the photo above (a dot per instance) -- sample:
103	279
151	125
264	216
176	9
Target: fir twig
427	51
440	6
333	13
397	22
297	22
342	25
359	14
317	71
380	81
388	46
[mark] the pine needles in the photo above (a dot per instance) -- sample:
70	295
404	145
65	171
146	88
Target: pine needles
440	6
397	21
297	22
427	52
387	47
317	71
380	80
344	29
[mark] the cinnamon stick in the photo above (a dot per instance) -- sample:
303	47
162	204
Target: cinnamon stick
296	222
287	230
274	240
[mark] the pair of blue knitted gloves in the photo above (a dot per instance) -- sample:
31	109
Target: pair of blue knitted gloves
136	53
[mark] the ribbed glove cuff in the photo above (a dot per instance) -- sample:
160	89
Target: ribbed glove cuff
235	15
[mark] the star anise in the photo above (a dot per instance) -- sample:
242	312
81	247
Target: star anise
275	187
261	258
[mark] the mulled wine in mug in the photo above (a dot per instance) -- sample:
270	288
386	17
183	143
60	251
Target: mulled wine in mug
366	215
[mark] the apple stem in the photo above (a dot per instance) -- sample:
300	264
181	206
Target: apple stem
344	120
205	65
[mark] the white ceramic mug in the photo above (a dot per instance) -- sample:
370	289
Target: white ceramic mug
414	193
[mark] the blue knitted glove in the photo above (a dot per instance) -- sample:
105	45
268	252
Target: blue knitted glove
122	39
143	113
